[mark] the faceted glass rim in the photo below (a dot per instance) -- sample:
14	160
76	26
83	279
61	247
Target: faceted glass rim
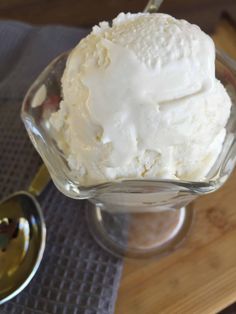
58	168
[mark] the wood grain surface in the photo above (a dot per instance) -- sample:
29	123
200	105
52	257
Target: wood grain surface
200	277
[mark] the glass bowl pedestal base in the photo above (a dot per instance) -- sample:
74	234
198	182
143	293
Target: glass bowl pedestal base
139	235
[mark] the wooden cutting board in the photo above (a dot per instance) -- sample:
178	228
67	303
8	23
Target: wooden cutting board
200	277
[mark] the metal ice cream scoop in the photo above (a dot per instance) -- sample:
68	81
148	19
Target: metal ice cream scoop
22	237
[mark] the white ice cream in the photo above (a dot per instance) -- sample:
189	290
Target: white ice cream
140	100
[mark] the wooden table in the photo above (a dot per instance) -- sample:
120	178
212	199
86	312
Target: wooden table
205	13
200	277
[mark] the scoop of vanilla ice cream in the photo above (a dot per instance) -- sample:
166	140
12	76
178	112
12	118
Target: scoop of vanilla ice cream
140	100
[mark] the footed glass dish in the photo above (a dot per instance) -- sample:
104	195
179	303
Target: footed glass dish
132	218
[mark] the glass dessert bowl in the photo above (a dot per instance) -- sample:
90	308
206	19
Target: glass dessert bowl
133	218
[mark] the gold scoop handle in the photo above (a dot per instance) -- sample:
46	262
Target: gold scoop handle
153	6
40	181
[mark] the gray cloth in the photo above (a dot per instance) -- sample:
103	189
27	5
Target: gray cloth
76	275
